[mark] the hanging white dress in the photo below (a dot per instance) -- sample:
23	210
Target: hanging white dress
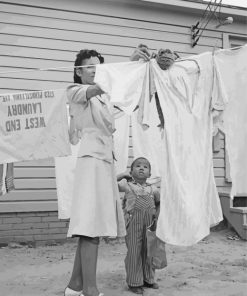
189	198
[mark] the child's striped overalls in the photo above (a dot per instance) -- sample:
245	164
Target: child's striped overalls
139	208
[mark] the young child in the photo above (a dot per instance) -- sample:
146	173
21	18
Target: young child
141	207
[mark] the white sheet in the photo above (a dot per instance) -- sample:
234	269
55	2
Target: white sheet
232	70
189	199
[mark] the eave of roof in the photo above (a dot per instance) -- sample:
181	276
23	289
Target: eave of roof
199	5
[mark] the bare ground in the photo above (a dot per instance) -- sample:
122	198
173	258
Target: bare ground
217	266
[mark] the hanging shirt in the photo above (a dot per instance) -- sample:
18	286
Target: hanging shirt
3	168
65	170
6	178
121	141
147	142
189	198
231	65
123	82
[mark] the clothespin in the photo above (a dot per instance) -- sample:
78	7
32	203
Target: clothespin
214	48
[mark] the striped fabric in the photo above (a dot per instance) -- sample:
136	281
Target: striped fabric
138	269
6	178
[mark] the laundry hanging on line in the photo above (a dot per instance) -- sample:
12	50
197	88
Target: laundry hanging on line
189	198
6	178
189	195
231	67
184	80
33	125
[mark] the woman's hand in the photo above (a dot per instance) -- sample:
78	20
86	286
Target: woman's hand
94	90
141	52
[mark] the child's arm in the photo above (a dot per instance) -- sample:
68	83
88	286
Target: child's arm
122	181
123	176
122	185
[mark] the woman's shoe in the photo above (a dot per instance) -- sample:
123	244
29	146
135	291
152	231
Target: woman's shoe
70	292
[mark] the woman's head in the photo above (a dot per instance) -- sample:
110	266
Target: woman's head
86	57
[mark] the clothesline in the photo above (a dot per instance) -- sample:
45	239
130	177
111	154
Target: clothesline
85	66
55	68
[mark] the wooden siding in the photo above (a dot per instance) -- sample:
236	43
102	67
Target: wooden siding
42	34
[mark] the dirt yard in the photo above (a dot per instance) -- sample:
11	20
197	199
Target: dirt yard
217	266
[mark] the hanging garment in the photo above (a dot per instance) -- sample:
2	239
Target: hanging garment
3	168
231	65
189	198
147	142
131	86
33	125
64	171
123	82
6	178
65	175
121	141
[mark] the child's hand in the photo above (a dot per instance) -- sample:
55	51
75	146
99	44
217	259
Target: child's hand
154	218
154	223
125	175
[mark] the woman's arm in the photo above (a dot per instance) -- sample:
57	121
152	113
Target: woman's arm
80	93
93	90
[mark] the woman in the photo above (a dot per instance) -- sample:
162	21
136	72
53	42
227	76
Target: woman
96	209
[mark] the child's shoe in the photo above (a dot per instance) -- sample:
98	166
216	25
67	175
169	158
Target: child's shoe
151	286
136	290
70	292
100	294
